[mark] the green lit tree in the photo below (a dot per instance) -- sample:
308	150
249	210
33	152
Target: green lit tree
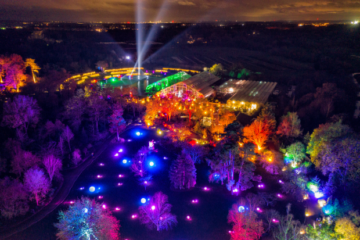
87	219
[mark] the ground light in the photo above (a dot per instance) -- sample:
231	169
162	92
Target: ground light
138	133
241	209
143	200
92	189
151	164
124	161
188	218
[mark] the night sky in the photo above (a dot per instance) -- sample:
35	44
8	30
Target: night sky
178	10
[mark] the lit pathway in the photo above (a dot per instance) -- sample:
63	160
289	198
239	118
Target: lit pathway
70	176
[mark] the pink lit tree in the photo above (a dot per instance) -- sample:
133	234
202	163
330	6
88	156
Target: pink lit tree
36	183
157	213
87	219
117	122
182	172
246	225
52	165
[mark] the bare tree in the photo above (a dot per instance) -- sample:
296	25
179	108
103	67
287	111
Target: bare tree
52	165
67	135
36	183
157	213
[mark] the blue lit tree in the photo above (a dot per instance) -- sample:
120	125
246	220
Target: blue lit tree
86	219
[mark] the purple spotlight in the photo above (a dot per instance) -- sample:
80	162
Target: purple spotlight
101	164
119	184
99	176
117	209
116	155
100	197
206	189
261	186
194	201
153	207
120	150
82	188
279	195
188	218
235	190
275	220
120	176
281	182
258	209
104	206
133	216
145	182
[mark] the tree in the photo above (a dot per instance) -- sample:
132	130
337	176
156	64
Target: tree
13	69
52	165
67	135
269	216
36	183
216	69
323	231
196	153
268	117
76	157
138	165
341	156
347	228
322	135
87	219
182	172
97	108
288	228
157	213
74	110
258	133
296	152
21	112
22	161
117	122
245	223
13	198
290	126
29	62
54	129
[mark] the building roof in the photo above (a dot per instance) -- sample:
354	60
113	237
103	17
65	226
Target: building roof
202	82
249	91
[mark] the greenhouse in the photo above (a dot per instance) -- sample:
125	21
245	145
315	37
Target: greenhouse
166	82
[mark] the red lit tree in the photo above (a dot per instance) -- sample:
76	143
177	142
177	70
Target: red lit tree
157	213
290	126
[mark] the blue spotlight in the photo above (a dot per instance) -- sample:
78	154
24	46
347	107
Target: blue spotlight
92	189
151	164
124	161
138	133
143	200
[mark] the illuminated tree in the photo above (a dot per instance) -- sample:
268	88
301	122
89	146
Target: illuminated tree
33	66
296	152
323	231
52	165
138	165
117	122
180	133
269	216
182	172
87	219
67	135
97	109
196	153
322	135
216	69
290	126
22	161
267	117
288	228
36	183
76	157
245	223
347	228
258	133
21	113
13	198
54	129
13	69
157	213
74	110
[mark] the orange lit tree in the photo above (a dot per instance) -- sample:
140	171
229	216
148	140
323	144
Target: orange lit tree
257	132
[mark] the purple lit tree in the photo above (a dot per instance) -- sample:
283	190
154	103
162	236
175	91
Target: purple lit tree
36	183
74	110
157	213
13	198
54	129
117	122
22	161
138	165
196	153
21	113
86	219
67	135
182	172
52	165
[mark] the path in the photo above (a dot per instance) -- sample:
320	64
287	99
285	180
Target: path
70	176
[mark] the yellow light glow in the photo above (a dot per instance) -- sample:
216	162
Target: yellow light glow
322	202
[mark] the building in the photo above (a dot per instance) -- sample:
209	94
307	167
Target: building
197	86
247	96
